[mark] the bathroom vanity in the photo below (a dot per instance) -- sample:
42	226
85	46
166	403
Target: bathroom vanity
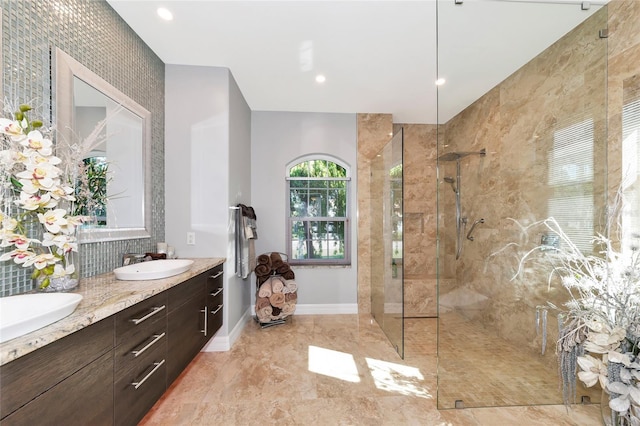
112	359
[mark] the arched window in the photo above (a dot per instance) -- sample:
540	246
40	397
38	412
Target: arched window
318	212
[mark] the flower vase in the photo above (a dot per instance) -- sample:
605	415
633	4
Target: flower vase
65	282
38	224
64	275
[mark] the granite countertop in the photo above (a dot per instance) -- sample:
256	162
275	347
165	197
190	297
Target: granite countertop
103	296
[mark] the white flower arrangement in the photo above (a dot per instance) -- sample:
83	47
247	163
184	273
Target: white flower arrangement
599	326
36	192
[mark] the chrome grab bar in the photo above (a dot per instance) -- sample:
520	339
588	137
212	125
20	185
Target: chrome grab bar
469	237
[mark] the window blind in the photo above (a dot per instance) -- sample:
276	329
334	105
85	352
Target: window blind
570	177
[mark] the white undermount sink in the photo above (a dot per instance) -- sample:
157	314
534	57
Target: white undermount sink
25	313
153	269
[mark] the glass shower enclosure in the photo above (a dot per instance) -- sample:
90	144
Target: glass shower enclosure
386	241
544	132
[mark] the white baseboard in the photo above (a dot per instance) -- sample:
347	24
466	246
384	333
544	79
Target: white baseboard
224	343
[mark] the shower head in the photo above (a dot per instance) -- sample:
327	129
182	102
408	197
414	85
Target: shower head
451	181
455	156
449	156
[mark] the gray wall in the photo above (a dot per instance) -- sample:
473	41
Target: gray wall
239	293
277	138
196	162
92	33
207	157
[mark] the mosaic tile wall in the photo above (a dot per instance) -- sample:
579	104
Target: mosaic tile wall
92	33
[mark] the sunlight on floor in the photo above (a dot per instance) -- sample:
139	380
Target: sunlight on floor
398	378
333	364
387	376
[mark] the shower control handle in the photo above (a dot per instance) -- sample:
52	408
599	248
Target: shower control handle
469	236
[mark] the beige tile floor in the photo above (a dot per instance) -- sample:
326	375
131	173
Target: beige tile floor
330	370
520	376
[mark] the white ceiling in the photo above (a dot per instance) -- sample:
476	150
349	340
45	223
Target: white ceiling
377	56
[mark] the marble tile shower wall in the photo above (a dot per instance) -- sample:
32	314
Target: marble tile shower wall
92	33
374	131
419	189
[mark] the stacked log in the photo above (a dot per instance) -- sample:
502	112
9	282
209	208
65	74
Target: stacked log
276	289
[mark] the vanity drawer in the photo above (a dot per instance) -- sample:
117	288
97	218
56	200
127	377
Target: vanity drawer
215	305
215	280
134	320
215	318
139	341
137	389
215	299
215	274
33	374
84	398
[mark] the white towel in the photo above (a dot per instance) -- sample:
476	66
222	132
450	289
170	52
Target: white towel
277	284
290	286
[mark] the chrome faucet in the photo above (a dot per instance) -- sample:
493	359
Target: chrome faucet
131	258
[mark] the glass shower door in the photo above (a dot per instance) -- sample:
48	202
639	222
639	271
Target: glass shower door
544	127
386	241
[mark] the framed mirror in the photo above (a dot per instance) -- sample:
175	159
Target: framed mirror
117	172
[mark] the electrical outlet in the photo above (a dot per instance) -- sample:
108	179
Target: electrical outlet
191	238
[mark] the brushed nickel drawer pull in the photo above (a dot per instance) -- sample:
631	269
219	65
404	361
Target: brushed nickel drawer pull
205	321
213	277
156	337
216	311
154	311
144	379
217	292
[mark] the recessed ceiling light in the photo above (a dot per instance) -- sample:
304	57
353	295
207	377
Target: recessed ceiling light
440	81
165	14
320	78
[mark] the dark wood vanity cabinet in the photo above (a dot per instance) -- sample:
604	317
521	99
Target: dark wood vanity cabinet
195	314
113	371
69	381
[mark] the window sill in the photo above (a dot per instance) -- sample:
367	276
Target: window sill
319	265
